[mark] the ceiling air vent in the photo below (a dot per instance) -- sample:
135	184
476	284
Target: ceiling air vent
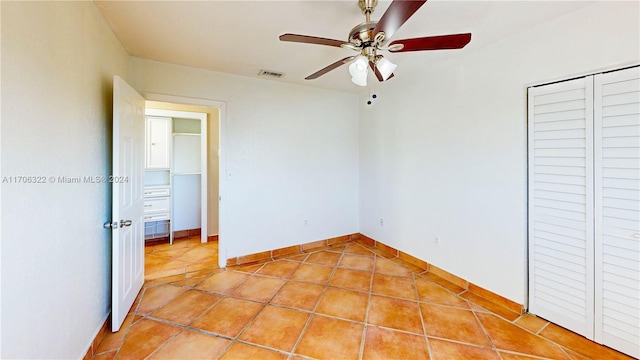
270	73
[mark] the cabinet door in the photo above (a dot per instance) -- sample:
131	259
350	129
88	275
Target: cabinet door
617	209
561	204
158	145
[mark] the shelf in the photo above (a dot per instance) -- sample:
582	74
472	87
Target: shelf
157	177
186	126
186	134
186	173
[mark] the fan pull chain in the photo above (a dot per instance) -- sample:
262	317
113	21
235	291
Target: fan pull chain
372	95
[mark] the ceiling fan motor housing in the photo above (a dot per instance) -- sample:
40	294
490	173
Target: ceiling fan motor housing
367	6
362	35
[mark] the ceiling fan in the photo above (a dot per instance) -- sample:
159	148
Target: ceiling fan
371	37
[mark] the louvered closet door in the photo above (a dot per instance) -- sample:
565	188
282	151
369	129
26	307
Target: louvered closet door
561	204
617	211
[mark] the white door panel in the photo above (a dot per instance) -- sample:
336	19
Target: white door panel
617	209
561	203
128	200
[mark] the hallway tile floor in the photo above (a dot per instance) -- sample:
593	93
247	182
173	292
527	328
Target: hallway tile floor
346	301
186	255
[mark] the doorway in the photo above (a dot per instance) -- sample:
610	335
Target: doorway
182	136
175	177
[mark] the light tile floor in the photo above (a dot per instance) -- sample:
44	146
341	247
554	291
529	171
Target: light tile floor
346	301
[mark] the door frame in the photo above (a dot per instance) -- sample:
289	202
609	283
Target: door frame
204	164
222	112
525	114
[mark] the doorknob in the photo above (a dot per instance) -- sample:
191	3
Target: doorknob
110	225
124	223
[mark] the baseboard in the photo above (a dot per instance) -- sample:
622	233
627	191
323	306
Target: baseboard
451	278
156	241
287	251
186	233
419	266
96	340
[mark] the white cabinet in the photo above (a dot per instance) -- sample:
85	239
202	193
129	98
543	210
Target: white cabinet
157	210
584	206
157	190
158	143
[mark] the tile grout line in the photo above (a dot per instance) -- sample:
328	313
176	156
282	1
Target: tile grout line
260	346
472	344
484	331
366	316
542	329
264	305
313	311
207	310
564	351
424	327
231	340
164	344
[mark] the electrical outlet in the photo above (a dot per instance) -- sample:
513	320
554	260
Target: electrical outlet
306	222
436	241
381	222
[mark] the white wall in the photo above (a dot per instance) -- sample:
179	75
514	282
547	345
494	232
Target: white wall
288	153
443	151
58	59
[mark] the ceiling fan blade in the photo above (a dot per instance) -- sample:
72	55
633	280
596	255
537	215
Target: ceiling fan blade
398	13
375	71
442	42
310	40
325	70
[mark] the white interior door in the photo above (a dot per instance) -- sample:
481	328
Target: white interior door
617	211
128	202
561	204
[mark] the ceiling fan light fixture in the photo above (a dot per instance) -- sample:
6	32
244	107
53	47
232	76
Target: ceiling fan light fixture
360	81
358	68
385	67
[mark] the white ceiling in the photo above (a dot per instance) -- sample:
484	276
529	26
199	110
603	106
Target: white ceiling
241	37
